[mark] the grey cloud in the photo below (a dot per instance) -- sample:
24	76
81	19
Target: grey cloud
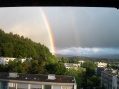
79	51
87	27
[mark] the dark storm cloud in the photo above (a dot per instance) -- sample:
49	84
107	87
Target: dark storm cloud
89	27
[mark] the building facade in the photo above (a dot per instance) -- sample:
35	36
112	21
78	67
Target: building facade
109	79
98	71
36	81
71	65
5	60
101	64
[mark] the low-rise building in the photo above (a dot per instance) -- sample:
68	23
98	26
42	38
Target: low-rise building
71	65
36	81
101	64
5	60
22	60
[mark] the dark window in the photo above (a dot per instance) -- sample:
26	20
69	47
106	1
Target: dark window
47	86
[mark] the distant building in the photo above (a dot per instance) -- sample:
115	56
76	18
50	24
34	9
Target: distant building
109	79
36	81
5	60
81	62
71	65
29	59
22	60
101	64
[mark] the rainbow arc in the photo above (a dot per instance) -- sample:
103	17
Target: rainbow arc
47	24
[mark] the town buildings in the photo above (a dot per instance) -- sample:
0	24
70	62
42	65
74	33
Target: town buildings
5	60
74	65
36	81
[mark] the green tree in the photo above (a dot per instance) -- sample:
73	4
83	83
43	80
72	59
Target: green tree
56	68
11	65
78	74
33	67
90	68
60	68
19	69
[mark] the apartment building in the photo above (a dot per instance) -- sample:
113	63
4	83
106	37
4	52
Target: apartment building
71	65
109	79
5	60
98	71
36	81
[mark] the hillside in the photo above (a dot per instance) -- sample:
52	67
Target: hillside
14	45
95	59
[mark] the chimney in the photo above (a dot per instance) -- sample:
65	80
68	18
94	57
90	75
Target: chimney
51	76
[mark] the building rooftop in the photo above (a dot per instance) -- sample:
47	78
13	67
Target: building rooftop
38	78
110	72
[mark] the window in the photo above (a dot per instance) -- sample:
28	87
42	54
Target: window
22	86
67	87
56	87
34	86
11	85
47	86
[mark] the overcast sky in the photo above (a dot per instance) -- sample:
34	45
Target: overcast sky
76	30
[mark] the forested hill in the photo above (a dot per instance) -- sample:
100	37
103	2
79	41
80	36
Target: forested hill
94	59
14	45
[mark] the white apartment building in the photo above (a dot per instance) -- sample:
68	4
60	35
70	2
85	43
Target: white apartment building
71	65
5	60
36	81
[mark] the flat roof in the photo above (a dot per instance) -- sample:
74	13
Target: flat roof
109	72
38	78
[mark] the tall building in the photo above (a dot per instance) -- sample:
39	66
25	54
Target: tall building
36	81
109	79
98	71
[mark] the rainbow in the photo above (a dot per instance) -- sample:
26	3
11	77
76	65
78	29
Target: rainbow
49	32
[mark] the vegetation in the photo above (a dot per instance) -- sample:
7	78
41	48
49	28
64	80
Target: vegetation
93	59
13	45
85	76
